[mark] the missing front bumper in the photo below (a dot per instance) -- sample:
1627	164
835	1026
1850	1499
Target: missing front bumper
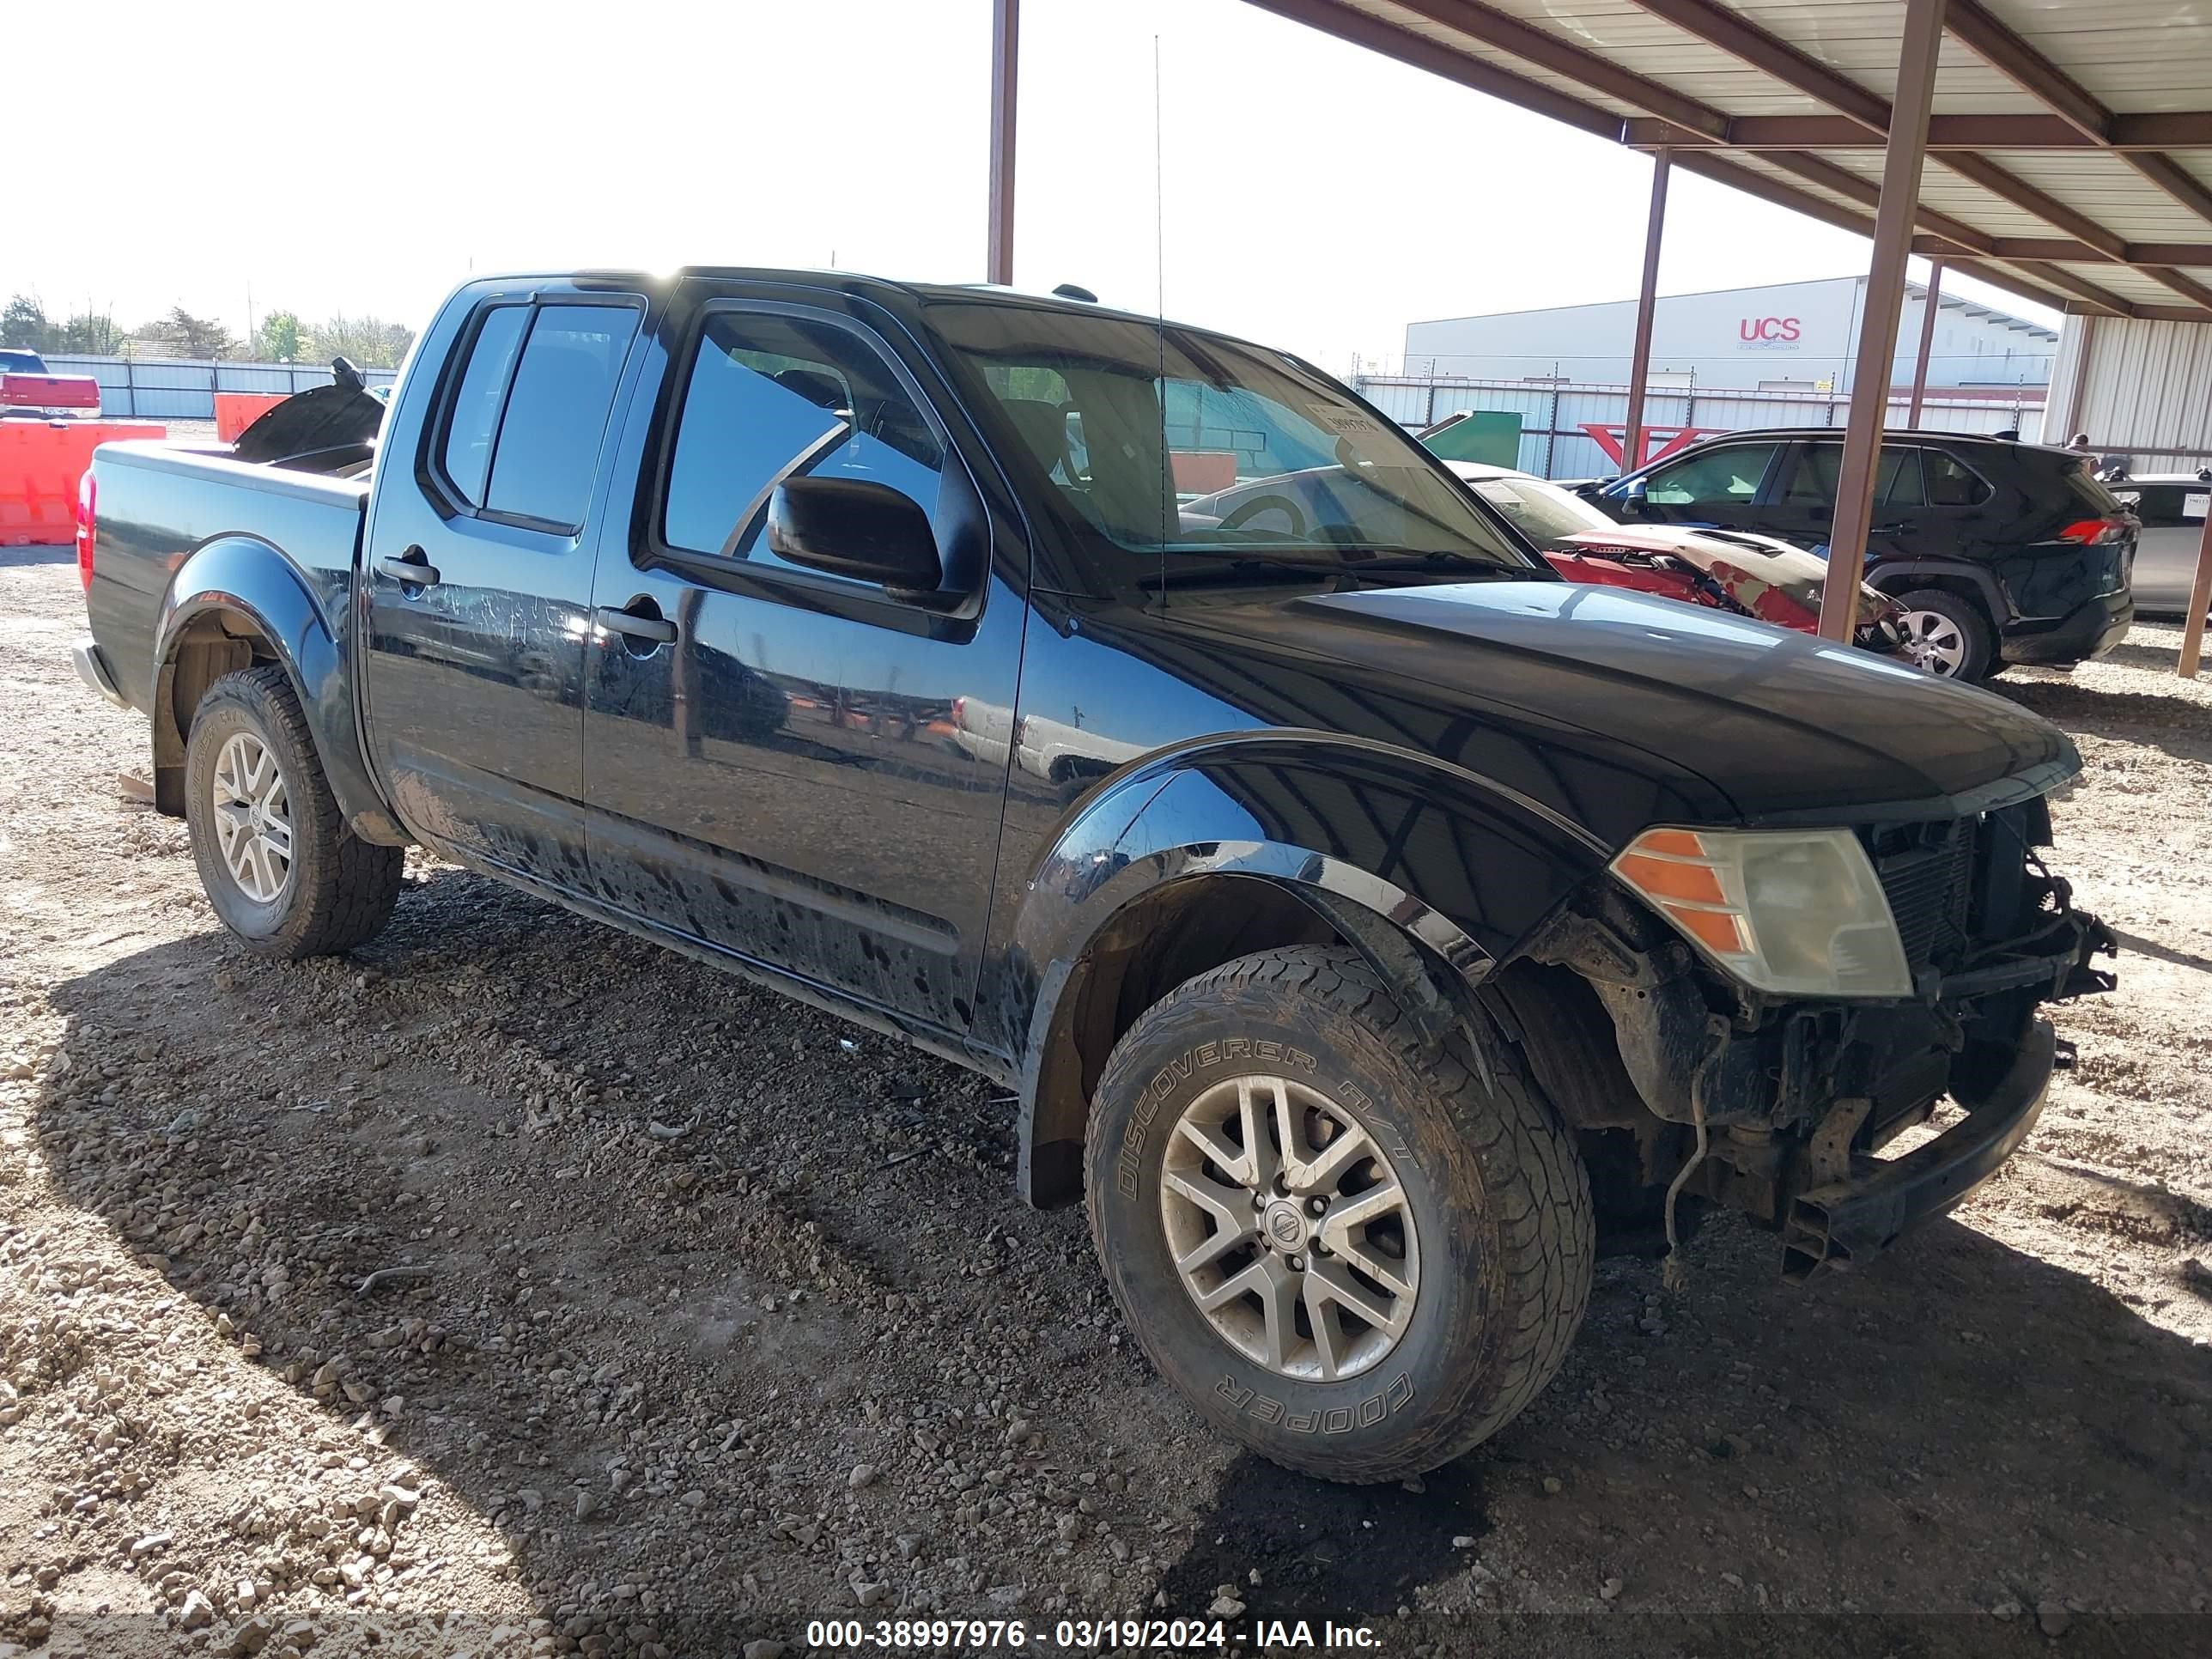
1847	1223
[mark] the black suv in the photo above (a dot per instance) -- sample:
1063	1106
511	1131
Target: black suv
1999	552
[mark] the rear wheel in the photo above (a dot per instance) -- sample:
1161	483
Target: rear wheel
275	857
1945	635
1356	1256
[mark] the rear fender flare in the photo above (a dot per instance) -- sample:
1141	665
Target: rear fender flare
1432	875
1895	576
247	587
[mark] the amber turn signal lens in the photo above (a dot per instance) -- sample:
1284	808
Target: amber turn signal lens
1665	879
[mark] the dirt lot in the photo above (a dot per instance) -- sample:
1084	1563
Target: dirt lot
720	1317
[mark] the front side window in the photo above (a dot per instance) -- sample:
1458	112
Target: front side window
547	453
1143	439
1727	475
772	397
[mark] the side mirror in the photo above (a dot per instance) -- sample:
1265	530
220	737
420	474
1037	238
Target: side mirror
1632	497
856	528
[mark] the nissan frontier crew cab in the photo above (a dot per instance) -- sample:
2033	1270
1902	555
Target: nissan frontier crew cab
1361	915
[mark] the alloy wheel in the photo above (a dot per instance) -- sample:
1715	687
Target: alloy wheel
1935	643
253	817
1290	1228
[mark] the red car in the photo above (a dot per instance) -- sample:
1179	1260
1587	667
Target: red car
1722	569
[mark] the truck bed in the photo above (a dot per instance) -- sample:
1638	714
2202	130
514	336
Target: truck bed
159	503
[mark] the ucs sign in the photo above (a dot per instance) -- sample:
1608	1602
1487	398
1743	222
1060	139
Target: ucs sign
1767	330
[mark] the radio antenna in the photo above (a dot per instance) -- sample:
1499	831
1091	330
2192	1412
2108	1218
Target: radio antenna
1168	506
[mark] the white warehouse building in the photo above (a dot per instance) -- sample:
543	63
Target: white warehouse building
1786	336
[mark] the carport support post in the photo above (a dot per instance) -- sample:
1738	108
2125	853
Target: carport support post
1006	57
2200	595
1639	359
1927	340
1885	299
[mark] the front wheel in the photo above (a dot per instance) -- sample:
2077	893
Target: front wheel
1357	1255
274	856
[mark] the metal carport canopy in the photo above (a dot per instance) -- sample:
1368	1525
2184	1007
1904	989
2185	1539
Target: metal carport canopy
2058	148
2069	143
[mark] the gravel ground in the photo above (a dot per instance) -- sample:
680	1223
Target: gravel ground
713	1318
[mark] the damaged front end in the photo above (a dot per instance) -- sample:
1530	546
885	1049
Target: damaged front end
1778	1105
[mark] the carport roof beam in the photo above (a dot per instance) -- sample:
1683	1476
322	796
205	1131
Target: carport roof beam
1885	297
1005	64
1647	303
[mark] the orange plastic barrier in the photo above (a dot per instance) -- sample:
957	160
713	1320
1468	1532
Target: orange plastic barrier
1203	471
40	462
234	411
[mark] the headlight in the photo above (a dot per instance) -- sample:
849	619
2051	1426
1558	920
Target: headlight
1797	912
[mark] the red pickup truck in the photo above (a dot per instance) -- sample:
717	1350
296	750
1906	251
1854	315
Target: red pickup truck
25	388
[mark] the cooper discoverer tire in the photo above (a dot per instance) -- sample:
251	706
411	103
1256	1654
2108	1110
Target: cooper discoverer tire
275	857
1418	1250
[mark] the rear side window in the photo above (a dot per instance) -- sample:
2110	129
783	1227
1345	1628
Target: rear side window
547	452
474	418
1950	483
1813	480
1728	473
772	397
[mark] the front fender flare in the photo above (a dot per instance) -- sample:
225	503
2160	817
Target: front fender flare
1433	874
255	589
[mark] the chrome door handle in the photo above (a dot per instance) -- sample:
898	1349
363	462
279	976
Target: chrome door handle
657	629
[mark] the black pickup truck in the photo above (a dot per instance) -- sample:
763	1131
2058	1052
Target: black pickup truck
1361	915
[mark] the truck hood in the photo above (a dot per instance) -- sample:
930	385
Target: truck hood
1786	727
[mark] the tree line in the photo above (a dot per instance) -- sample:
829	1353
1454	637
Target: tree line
281	337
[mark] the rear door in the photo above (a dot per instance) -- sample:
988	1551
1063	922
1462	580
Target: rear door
1802	504
2172	517
774	758
479	573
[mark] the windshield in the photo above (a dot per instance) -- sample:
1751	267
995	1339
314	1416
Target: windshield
1149	441
21	363
1543	513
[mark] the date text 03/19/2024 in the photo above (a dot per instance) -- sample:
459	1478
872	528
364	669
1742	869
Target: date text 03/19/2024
1084	1635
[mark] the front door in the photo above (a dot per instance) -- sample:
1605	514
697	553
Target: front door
775	760
1715	485
479	580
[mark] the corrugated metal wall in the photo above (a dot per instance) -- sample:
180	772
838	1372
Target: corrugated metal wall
183	389
2148	396
1554	445
1802	333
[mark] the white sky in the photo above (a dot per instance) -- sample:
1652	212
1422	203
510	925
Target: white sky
363	155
